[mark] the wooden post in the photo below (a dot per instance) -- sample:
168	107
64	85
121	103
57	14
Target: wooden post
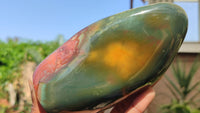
131	4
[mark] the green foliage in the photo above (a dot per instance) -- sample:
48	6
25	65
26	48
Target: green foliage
176	107
14	53
182	88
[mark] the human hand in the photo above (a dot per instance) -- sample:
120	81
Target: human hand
136	103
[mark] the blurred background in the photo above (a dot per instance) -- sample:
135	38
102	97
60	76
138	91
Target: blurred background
31	30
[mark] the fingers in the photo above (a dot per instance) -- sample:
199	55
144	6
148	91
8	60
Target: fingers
140	104
135	103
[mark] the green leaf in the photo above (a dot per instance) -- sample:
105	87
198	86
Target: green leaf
192	72
194	86
194	96
172	91
174	86
177	72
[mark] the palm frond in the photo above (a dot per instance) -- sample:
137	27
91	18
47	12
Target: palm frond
194	86
172	91
191	73
177	72
173	85
194	96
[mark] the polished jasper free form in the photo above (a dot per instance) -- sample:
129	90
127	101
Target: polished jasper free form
111	58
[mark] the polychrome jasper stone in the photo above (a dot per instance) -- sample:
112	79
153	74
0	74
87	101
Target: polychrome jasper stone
111	58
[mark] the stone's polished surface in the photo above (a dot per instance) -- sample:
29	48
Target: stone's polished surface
111	58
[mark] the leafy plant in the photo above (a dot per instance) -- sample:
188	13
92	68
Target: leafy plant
14	54
182	88
176	107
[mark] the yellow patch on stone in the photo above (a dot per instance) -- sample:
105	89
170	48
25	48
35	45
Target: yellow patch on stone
125	58
119	56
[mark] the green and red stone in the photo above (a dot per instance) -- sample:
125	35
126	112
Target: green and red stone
110	59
